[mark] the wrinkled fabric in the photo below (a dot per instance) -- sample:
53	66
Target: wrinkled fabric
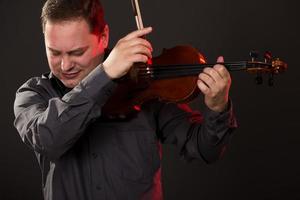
84	156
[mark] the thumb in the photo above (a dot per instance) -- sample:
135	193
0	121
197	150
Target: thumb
220	59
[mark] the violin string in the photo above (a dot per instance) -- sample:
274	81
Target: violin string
165	71
150	69
166	75
179	68
169	74
185	66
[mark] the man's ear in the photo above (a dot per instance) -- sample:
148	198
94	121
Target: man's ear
104	36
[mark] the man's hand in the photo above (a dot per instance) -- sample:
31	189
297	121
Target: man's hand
214	84
129	50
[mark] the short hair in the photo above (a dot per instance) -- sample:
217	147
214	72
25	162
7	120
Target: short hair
67	10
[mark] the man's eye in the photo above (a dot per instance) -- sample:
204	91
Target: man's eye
54	53
77	53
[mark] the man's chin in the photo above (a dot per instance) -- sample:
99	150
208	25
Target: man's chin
70	83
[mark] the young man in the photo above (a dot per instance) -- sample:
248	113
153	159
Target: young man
84	155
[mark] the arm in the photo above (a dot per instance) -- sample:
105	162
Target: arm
51	125
203	138
196	136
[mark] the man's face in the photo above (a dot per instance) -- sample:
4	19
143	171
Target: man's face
72	50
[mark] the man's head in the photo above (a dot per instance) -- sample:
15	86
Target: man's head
76	36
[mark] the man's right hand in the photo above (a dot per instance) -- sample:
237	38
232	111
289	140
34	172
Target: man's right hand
129	50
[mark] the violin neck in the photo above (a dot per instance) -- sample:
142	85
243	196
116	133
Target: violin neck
180	70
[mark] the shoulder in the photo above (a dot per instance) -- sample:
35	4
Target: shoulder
35	83
37	88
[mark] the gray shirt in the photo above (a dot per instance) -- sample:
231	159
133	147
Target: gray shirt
84	156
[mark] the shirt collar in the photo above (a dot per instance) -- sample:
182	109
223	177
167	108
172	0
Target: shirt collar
57	84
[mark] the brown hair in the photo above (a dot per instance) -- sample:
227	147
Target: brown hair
65	10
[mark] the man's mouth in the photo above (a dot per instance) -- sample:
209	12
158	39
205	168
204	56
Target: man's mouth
70	75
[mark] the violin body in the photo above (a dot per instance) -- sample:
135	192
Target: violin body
141	85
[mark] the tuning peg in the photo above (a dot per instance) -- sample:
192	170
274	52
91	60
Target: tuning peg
259	79
268	56
254	55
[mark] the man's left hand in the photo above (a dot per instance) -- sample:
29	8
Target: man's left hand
215	83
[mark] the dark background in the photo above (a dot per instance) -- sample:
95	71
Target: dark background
263	160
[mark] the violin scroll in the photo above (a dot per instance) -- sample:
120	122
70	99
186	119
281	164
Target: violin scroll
268	66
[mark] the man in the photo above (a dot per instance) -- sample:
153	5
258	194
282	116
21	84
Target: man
84	155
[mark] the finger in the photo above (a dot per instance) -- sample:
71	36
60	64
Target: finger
213	80
222	71
206	79
138	33
220	68
213	73
139	49
220	59
136	58
140	41
203	87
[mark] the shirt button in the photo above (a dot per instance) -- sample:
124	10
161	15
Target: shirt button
94	155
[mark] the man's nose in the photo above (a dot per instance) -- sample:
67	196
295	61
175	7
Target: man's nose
66	63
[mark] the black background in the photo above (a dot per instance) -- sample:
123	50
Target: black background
262	161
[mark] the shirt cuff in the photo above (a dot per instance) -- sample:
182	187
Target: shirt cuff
219	122
98	85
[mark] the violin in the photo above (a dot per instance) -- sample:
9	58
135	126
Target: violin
172	76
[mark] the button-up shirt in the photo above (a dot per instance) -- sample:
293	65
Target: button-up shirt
85	156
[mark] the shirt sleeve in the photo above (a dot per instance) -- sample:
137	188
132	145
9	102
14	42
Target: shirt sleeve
51	125
197	136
